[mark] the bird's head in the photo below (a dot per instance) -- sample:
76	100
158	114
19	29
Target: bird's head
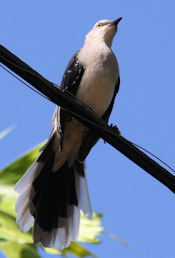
104	30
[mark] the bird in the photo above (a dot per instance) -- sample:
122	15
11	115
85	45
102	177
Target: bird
54	189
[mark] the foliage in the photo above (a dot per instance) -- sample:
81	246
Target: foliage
16	244
6	131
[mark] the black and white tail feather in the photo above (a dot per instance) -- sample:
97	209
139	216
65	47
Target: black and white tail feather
52	199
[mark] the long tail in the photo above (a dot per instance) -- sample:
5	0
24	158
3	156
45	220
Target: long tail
52	200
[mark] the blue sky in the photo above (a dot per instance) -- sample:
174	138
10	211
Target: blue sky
45	34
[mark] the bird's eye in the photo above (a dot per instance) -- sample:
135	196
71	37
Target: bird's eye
99	24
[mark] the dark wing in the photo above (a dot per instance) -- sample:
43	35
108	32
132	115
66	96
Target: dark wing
70	83
91	138
72	75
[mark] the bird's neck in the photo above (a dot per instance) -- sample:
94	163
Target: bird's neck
97	41
96	46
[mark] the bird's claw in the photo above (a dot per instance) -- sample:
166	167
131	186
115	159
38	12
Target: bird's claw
115	129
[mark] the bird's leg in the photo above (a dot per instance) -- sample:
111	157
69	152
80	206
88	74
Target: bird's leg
67	118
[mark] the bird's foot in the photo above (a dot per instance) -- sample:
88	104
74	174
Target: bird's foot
115	129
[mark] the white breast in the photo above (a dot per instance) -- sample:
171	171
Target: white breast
99	79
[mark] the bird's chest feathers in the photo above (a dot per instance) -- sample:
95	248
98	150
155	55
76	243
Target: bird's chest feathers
98	82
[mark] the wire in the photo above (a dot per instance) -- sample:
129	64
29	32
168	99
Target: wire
150	154
78	100
30	87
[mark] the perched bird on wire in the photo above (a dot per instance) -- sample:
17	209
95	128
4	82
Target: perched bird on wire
54	189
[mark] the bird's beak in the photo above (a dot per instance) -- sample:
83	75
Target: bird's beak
116	22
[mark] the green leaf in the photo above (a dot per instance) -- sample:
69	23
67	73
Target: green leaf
74	249
13	172
77	250
6	131
116	238
9	230
90	229
7	200
16	250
